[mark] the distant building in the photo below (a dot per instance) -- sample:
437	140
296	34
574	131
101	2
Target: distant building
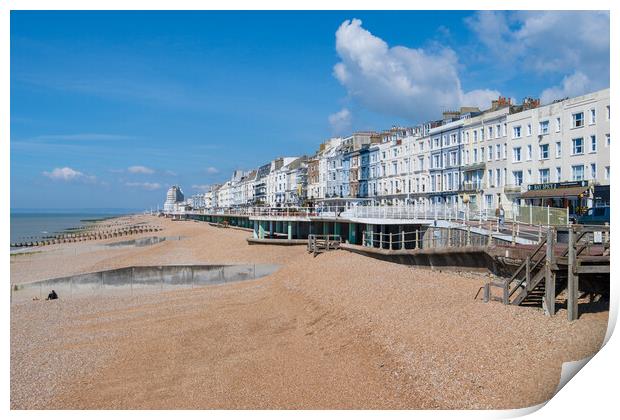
174	196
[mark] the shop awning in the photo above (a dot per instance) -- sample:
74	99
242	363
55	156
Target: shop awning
555	192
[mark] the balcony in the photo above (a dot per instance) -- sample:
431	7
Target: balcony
472	186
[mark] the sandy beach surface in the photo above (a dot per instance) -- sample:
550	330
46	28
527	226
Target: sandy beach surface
336	331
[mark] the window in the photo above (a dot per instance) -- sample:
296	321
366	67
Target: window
504	129
466	157
497	127
490	132
593	171
593	116
578	146
505	150
577	172
481	134
488	198
490	177
558	149
607	172
592	144
529	129
516	154
558	125
498	177
475	136
607	112
498	151
517	177
475	155
544	151
543	176
529	176
435	161
578	119
516	132
490	153
607	139
529	152
544	127
558	174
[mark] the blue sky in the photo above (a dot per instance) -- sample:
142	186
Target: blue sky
110	108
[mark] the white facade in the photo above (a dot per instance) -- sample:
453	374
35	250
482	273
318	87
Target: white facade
173	196
488	158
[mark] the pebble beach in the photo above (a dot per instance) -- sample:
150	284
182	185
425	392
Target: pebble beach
336	331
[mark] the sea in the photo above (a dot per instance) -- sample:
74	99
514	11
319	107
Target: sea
32	225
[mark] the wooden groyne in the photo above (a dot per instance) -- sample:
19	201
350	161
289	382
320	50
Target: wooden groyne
90	235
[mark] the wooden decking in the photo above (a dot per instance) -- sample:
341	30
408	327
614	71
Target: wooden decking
550	269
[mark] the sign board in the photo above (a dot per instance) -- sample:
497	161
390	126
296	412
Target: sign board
598	237
556	185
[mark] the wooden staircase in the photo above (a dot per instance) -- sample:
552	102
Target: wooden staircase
536	281
527	284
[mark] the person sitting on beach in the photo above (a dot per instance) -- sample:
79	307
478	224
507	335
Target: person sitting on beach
52	295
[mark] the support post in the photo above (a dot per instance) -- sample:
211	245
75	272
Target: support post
402	239
390	241
290	231
573	278
513	234
528	274
549	301
417	238
468	235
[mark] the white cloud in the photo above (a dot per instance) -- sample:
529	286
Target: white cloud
574	85
140	170
212	170
570	44
170	173
149	186
407	82
340	121
64	174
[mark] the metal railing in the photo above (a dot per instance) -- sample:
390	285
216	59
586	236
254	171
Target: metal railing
458	212
431	238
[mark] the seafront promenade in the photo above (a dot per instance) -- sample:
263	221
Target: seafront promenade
339	330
